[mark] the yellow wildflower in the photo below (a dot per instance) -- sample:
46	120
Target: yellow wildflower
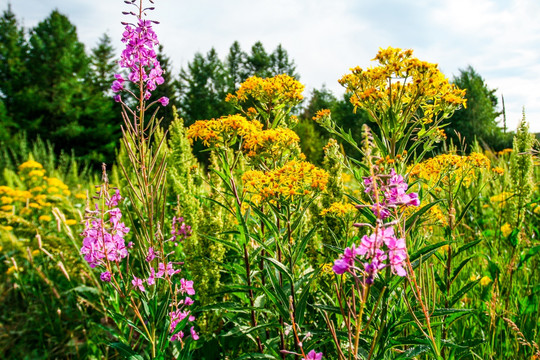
45	218
30	164
295	178
36	173
474	277
506	229
6	227
6	200
485	281
6	207
34	205
338	209
223	130
271	142
70	222
498	170
280	89
80	196
36	252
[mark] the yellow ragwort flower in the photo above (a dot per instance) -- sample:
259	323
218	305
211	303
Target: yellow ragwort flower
295	178
506	229
338	209
485	281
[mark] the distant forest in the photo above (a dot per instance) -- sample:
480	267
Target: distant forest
53	88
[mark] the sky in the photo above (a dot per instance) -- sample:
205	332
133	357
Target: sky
500	39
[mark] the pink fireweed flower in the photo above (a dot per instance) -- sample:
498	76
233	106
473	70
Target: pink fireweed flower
151	254
382	248
105	276
180	230
104	240
178	336
312	355
113	201
140	58
164	101
138	283
194	335
186	286
188	301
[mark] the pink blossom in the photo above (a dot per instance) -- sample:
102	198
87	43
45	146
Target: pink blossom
312	355
138	283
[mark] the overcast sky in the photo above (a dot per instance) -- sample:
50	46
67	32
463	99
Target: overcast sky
500	39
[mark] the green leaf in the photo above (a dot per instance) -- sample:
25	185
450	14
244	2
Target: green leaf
513	238
298	250
126	351
280	267
467	246
301	303
465	289
426	252
414	217
458	269
530	253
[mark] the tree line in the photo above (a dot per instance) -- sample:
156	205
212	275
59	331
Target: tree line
53	88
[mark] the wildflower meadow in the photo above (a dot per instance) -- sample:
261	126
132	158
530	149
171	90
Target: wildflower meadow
221	239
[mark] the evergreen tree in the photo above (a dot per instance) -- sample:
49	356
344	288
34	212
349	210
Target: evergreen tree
479	119
234	67
168	89
62	103
280	63
103	64
13	50
258	62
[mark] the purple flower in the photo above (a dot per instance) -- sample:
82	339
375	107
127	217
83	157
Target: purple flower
194	335
138	283
104	240
151	255
113	201
177	336
186	286
312	355
105	276
164	101
140	58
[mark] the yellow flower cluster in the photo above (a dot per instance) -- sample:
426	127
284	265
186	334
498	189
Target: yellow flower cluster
280	89
223	130
504	152
449	167
338	209
271	141
321	116
402	82
501	198
41	191
295	178
506	229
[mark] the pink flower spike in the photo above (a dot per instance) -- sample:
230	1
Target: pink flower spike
188	301
151	254
138	283
105	276
194	335
312	355
186	286
164	101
